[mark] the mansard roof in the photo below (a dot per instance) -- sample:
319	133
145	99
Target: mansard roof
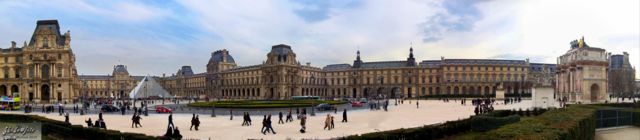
336	67
482	62
281	49
185	70
94	77
51	25
218	56
384	64
430	64
539	67
120	69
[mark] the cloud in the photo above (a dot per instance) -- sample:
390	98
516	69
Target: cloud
155	37
315	11
456	16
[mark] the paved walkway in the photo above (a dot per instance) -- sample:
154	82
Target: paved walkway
623	133
360	121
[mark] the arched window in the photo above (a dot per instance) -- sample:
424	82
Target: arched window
45	43
45	71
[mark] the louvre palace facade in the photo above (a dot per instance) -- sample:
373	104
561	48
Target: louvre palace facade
42	69
282	76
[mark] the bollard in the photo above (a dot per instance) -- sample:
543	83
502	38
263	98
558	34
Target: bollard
213	112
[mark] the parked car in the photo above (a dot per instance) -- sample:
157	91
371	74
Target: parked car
109	108
356	104
363	100
162	109
325	106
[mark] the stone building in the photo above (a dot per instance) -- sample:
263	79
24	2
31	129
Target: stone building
542	74
185	83
581	74
42	70
282	76
116	85
621	75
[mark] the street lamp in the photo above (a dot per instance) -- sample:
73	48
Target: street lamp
146	110
313	101
83	100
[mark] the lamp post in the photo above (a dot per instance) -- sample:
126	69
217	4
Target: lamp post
313	102
83	99
146	110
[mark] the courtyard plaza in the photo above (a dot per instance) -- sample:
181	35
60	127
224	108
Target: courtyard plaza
360	121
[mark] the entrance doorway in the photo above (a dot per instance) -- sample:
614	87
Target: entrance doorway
45	93
595	91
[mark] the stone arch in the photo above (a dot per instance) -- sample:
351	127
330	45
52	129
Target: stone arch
45	93
380	91
3	90
354	93
595	91
456	90
365	92
15	90
486	90
395	93
464	90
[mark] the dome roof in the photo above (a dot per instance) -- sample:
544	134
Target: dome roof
218	56
281	49
120	69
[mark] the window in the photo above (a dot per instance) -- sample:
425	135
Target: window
59	56
45	71
6	72
45	43
31	71
30	57
17	72
59	71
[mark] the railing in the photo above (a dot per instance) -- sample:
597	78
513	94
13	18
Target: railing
613	118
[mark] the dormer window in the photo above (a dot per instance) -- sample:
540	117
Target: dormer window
45	43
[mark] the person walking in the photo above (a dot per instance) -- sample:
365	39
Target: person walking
327	122
269	126
280	118
193	122
248	119
417	104
289	117
264	128
66	117
230	114
244	119
133	120
171	119
197	122
137	120
332	124
344	116
303	122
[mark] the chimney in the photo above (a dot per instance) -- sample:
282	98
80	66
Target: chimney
13	44
308	64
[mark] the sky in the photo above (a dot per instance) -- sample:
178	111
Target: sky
158	37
